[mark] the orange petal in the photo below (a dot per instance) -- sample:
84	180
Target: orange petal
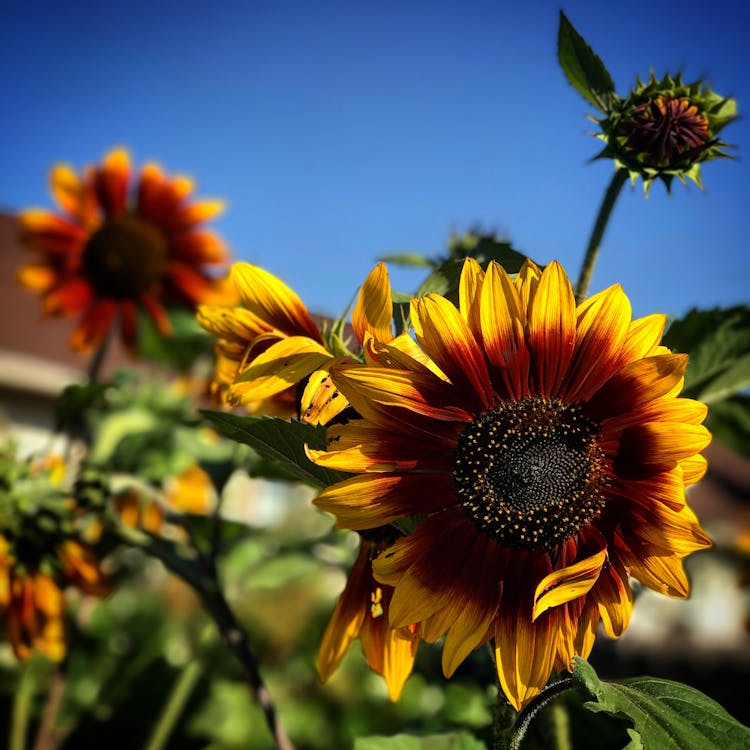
111	182
37	278
94	326
66	188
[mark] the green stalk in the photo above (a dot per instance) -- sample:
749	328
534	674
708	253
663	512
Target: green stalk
619	178
181	691
19	725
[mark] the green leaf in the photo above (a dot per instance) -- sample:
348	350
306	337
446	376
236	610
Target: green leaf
448	741
729	422
410	260
665	715
718	344
75	400
279	441
583	68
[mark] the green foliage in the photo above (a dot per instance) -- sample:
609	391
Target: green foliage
187	344
279	441
665	715
583	68
450	741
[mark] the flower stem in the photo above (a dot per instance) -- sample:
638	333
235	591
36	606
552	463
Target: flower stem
22	708
597	233
538	703
173	708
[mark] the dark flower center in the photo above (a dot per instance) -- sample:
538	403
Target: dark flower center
662	131
530	473
125	257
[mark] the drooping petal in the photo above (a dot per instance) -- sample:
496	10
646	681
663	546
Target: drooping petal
614	598
347	618
94	326
371	500
281	366
565	584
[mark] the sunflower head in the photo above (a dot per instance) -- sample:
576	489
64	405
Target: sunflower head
665	129
539	452
120	244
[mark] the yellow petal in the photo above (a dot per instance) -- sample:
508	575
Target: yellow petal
527	281
399	652
568	583
373	312
469	291
37	278
321	400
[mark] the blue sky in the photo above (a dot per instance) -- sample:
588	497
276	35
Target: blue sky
338	132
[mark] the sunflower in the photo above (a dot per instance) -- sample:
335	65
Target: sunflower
32	593
272	344
110	253
362	612
546	450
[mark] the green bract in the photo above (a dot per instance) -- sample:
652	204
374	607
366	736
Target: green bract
665	129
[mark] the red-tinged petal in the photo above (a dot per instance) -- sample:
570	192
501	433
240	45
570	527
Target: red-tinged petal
71	296
373	312
636	384
677	532
198	247
662	573
383	395
361	447
446	338
271	300
280	366
190	286
681	410
371	500
50	233
525	651
663	488
429	567
551	329
660	443
111	182
470	628
94	326
233	323
348	616
568	583
614	599
603	321
502	320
